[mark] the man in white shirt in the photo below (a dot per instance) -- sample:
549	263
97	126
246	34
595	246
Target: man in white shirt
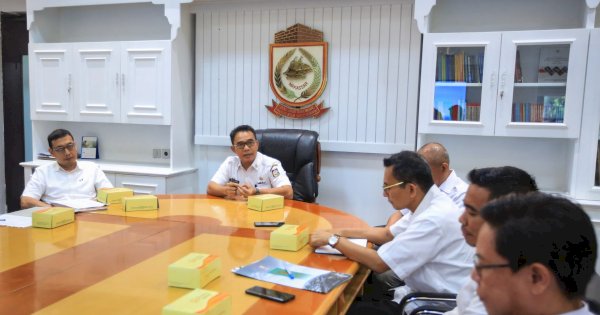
444	177
249	172
486	185
425	248
66	178
536	254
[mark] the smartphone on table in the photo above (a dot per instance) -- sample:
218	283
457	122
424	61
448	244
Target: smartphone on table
270	294
268	223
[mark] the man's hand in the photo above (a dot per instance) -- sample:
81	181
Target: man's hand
231	190
320	238
246	190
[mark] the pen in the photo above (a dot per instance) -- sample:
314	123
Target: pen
291	275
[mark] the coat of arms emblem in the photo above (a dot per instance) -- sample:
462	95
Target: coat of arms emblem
298	72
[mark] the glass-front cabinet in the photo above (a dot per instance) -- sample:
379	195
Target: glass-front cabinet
526	84
587	179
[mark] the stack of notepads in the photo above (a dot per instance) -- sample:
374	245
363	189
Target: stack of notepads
195	271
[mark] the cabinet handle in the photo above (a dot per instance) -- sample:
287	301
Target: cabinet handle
493	81
502	83
117	79
69	83
123	81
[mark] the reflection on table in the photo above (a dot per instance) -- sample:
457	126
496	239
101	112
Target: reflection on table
114	262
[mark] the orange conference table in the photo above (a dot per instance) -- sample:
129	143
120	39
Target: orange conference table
113	262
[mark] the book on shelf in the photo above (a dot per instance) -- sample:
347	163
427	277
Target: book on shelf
45	156
89	147
459	67
528	112
554	109
473	110
554	62
518	71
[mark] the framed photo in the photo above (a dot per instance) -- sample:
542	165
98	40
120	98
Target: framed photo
89	147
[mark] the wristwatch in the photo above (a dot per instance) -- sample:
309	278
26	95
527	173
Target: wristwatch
257	191
333	240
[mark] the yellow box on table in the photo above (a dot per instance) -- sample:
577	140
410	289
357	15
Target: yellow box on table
140	202
265	202
200	302
111	196
194	270
52	217
289	237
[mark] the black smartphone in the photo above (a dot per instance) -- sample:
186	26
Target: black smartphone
270	294
268	223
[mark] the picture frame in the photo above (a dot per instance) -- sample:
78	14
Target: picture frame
89	147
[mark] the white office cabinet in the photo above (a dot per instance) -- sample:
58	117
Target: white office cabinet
145	82
51	83
127	82
523	83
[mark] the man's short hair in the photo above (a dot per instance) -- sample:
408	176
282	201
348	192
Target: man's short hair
410	167
241	128
551	230
57	134
500	181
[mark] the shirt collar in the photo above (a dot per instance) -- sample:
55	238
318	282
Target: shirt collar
427	199
255	164
58	168
448	184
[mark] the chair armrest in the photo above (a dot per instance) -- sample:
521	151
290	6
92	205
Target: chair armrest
427	303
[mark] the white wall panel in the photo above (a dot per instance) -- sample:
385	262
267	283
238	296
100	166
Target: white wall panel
372	52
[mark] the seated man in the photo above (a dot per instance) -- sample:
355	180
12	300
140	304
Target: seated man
425	248
249	172
443	176
486	184
535	255
66	178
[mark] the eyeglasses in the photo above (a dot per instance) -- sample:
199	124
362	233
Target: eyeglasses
479	267
385	188
241	145
69	146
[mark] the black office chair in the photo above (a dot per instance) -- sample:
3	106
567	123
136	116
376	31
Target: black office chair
420	303
299	152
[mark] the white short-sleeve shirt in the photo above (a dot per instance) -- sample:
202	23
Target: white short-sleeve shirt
468	302
265	172
455	188
428	251
51	182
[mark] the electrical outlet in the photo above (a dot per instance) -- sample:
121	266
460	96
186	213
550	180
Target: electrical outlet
156	153
166	153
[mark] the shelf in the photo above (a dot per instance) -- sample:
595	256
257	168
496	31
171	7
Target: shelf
537	85
458	84
125	168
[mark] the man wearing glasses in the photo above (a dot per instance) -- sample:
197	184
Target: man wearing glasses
535	255
249	172
486	184
64	179
425	248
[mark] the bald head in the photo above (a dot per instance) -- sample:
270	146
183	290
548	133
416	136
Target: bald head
437	157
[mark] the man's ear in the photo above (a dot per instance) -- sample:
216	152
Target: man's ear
50	151
445	166
232	148
539	278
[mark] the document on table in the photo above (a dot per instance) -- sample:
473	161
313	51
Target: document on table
332	251
279	271
80	205
20	219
